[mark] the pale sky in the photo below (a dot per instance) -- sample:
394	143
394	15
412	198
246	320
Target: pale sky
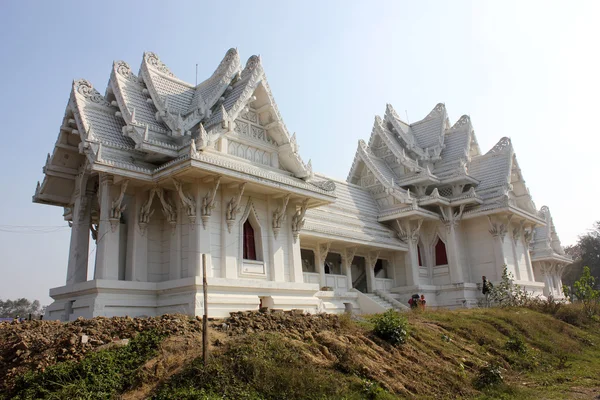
529	70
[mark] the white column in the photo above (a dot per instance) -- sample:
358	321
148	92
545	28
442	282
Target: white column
175	244
277	243
80	234
456	273
347	258
526	240
513	243
321	255
137	247
412	264
370	262
295	258
107	257
231	241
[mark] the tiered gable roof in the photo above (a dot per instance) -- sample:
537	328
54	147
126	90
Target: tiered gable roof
430	164
546	244
151	122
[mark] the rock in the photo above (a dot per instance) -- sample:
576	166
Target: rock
84	339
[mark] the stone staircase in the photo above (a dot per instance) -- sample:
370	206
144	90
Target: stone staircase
380	300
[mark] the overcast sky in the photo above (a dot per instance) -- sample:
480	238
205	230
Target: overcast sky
529	70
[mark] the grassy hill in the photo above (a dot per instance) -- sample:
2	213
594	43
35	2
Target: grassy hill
480	353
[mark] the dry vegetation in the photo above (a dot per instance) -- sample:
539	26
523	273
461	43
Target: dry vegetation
447	354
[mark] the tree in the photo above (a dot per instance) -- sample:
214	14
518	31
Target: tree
21	307
585	253
583	290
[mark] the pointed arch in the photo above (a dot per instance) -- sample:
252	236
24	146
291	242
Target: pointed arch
440	253
251	243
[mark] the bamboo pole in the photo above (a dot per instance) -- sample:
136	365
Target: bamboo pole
205	316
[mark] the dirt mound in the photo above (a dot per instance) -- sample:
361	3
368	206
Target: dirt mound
35	345
294	323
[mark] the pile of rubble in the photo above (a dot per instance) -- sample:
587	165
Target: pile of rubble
293	323
35	345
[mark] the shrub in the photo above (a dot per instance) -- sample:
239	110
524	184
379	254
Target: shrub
489	375
584	291
100	375
508	294
516	344
391	327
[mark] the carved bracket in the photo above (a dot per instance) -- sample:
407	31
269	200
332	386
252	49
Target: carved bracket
279	215
145	212
348	256
298	220
409	232
233	207
372	258
208	202
188	202
451	217
168	209
117	208
497	229
323	251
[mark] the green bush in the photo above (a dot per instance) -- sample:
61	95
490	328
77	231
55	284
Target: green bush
100	375
516	344
489	375
391	327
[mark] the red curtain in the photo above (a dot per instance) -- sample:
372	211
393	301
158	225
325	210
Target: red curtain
249	244
441	258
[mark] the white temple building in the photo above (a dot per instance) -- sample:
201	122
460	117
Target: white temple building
160	172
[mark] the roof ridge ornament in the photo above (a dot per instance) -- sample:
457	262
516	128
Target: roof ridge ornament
502	145
462	121
124	70
252	63
153	60
86	89
439	108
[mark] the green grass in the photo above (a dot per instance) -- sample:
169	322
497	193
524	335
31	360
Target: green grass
100	375
498	353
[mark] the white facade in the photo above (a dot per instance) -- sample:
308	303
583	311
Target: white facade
160	172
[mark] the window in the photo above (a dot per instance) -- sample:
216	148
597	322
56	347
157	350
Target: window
419	255
441	258
308	260
333	264
381	269
249	242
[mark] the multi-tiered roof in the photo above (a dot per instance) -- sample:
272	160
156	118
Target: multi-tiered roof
415	169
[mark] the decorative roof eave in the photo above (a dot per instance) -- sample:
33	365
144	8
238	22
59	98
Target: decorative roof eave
407	137
399	152
460	179
471	197
550	256
178	124
391	188
143	142
315	231
498	209
411	212
122	70
420	178
228	67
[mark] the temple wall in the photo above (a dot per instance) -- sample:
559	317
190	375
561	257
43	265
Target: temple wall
479	249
